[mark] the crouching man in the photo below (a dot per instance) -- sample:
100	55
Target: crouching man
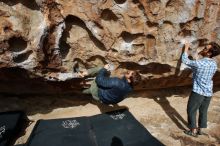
110	90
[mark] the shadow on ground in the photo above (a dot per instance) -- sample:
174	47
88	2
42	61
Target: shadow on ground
34	104
45	104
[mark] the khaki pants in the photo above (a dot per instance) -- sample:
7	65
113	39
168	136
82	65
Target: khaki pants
93	90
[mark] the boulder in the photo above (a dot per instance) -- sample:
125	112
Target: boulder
39	38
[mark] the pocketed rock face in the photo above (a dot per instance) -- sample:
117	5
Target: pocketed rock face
41	37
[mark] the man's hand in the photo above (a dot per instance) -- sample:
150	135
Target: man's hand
53	75
83	74
187	44
108	53
107	66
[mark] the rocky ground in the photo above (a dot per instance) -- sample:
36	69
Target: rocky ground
162	112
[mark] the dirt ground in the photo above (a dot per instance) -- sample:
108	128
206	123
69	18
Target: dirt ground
162	112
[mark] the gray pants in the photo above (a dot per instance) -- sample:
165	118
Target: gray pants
93	90
197	102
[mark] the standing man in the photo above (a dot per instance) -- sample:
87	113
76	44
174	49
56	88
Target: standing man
110	90
203	72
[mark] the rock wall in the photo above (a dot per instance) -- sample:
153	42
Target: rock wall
42	37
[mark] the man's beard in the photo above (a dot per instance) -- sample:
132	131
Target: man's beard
202	53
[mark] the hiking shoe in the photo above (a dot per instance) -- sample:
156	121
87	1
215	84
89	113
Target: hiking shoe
190	133
200	132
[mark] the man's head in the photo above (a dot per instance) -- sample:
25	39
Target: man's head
133	77
210	50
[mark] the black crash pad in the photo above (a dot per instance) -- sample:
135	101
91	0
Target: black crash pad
61	132
118	128
11	124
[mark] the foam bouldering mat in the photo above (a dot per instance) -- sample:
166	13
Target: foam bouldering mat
120	128
117	128
11	124
62	132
